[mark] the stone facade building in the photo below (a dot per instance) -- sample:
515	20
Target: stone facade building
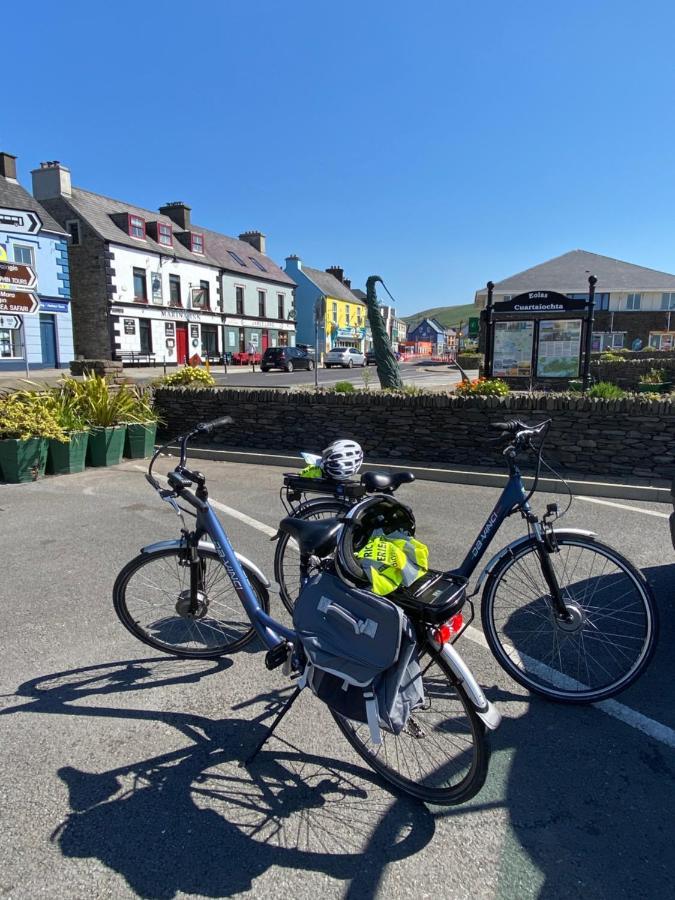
154	286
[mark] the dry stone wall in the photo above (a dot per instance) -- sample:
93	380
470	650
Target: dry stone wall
592	437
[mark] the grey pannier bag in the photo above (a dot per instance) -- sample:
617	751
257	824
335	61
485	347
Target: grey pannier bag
361	651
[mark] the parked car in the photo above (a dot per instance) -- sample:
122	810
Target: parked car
309	350
345	357
672	515
371	359
286	358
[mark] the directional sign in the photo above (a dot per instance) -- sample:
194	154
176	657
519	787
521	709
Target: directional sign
15	275
11	322
21	221
23	302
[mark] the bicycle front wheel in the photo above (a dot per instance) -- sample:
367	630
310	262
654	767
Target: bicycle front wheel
287	553
441	756
152	598
605	645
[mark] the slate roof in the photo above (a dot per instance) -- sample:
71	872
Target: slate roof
97	210
330	286
568	274
434	324
359	294
13	196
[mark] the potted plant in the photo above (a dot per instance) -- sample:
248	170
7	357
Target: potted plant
652	381
66	458
140	437
106	410
26	426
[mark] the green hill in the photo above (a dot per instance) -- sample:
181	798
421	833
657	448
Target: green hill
448	316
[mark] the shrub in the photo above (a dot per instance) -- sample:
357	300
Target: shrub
97	404
483	387
343	387
26	415
470	360
653	376
189	375
605	390
611	356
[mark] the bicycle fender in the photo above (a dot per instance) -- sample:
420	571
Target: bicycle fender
487	711
517	544
205	545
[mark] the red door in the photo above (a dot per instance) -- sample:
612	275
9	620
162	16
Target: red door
265	340
181	344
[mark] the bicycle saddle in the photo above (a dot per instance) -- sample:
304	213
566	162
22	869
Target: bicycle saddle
312	536
382	482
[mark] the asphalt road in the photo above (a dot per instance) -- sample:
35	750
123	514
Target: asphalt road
119	768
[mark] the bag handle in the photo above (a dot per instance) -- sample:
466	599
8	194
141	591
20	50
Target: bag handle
360	626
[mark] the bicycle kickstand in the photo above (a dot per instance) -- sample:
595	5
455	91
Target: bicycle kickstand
268	734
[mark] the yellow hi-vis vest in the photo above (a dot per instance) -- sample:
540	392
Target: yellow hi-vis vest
392	561
311	472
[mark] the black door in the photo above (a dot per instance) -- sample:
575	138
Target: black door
146	336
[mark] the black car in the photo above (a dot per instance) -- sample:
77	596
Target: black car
672	515
286	358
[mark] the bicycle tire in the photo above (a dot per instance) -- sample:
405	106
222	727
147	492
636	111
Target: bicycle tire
217	636
563	670
423	743
287	572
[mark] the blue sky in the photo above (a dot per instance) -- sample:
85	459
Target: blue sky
438	144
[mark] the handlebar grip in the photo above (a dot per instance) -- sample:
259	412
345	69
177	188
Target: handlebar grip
209	427
511	427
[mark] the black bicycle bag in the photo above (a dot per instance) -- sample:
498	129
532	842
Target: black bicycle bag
361	654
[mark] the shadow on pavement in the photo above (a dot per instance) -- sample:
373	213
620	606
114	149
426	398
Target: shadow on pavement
193	821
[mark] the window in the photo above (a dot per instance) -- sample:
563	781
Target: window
257	264
196	242
10	343
137	227
335	314
200	298
174	291
261	304
24	254
633	301
73	227
347	313
280	306
601	300
236	258
668	301
607	340
164	234
140	286
239	292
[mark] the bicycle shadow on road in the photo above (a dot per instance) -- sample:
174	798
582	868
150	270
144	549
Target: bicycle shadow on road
193	821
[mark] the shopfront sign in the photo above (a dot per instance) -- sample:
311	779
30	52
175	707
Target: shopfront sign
23	302
20	221
260	323
15	275
171	313
130	326
55	306
156	288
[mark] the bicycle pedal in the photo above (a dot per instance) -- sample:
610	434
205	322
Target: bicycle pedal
276	656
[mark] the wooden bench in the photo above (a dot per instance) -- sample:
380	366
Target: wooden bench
136	358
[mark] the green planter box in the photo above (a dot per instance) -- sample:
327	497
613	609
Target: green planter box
656	388
140	440
65	459
106	445
23	460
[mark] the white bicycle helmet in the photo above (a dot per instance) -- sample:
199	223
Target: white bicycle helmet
342	459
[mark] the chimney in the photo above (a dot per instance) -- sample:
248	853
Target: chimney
347	283
293	263
255	239
178	212
51	180
8	165
337	272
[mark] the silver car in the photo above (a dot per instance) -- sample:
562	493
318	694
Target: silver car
347	357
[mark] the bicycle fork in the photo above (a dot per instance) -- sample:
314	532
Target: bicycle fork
546	545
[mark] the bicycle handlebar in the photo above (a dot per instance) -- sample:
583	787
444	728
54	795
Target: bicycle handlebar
210	427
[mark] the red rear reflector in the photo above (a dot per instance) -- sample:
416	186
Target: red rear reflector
445	631
456	623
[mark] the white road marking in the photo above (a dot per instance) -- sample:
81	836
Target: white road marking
656	730
645	512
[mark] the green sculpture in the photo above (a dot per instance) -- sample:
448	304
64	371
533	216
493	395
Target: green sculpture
387	367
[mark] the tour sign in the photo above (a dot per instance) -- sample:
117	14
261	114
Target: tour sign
20	221
540	302
11	322
23	302
16	275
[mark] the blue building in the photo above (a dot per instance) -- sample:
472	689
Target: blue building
430	330
45	338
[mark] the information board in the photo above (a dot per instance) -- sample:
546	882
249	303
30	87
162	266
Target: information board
559	348
512	353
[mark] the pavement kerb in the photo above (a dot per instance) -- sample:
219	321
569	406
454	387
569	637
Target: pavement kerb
656	492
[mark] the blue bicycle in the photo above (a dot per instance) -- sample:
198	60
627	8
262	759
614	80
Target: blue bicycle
565	615
196	597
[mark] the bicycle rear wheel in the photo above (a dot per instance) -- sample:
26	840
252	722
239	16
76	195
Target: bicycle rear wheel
287	553
606	645
441	756
151	597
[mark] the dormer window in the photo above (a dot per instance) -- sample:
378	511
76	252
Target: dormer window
164	234
136	227
196	242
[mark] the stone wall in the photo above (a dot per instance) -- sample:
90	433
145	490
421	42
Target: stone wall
626	373
601	437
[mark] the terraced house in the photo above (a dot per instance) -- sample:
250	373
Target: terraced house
345	320
153	286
